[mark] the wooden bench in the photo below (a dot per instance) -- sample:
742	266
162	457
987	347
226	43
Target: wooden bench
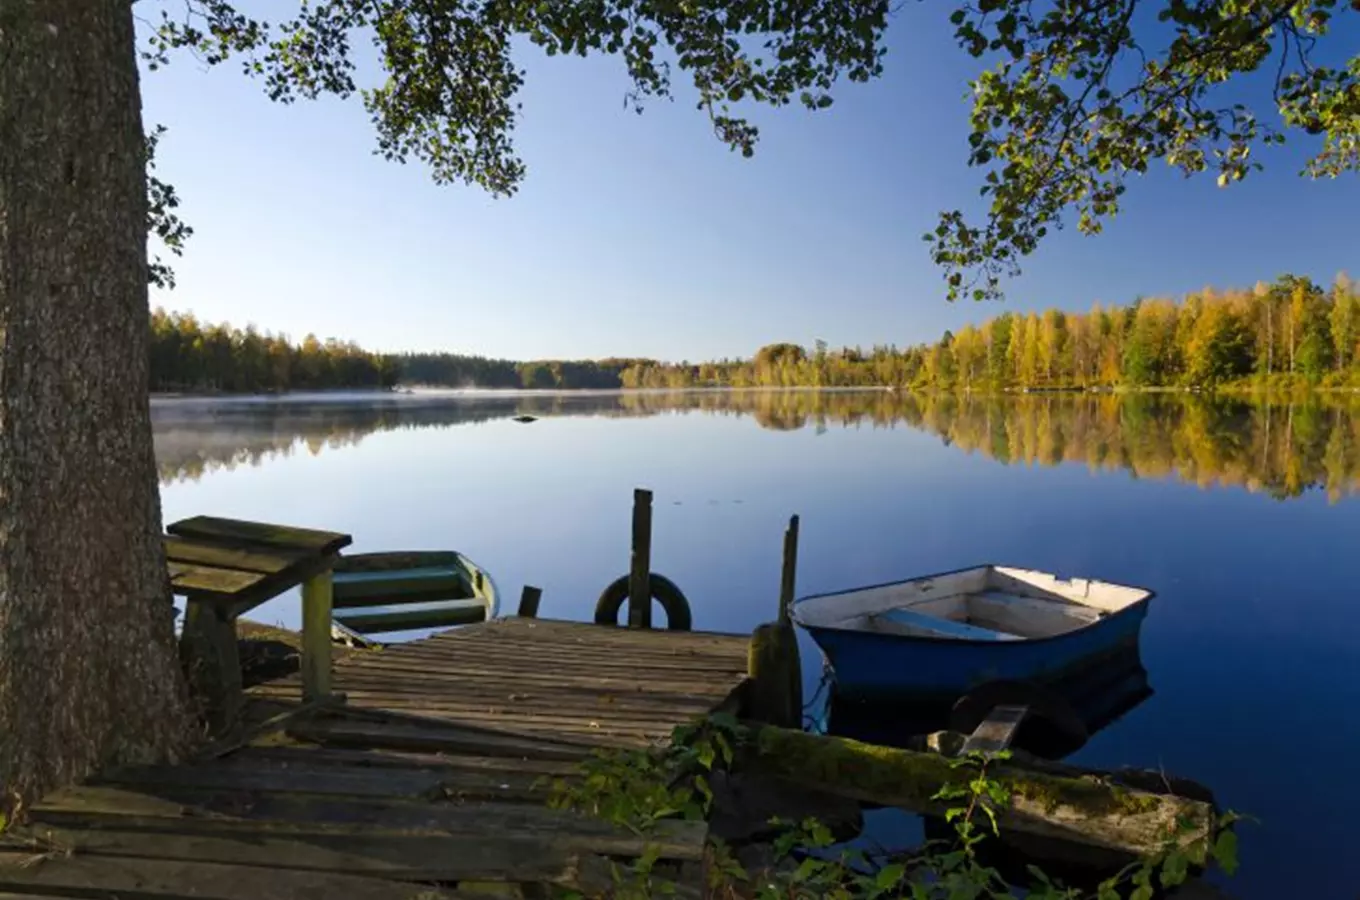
226	567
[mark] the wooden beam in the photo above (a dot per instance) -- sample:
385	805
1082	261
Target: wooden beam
450	739
277	722
1085	811
212	662
997	731
789	574
261	534
640	568
190	579
549	858
78	876
775	690
316	636
284	813
222	556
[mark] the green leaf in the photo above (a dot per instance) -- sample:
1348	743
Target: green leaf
1175	869
807	868
890	876
1225	851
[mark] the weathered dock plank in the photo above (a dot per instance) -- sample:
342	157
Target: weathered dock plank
523	679
428	781
24	875
400	857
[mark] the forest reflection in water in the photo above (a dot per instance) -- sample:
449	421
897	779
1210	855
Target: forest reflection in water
1283	447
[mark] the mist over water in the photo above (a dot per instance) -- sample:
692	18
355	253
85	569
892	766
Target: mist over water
1240	515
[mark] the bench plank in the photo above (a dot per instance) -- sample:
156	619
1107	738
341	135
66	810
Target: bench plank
262	534
219	556
190	579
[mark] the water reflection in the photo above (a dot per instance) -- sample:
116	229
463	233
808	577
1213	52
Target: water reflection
1282	448
1095	697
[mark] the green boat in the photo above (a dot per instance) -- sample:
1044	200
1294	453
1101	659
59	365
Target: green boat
379	593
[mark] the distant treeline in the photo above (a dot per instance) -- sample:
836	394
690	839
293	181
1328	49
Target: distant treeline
1291	332
1288	332
187	355
456	370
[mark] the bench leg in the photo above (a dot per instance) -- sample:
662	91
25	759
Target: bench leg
212	662
316	636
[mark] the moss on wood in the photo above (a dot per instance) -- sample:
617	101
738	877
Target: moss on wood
1083	810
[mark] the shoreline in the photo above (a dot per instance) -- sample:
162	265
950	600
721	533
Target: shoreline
432	392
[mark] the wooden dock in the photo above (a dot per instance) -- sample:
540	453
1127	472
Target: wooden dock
429	781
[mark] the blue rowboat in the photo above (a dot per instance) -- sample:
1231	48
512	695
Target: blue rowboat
936	638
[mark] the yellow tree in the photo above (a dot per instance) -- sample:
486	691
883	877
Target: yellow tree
1345	317
1029	357
970	356
1265	339
1052	337
1112	328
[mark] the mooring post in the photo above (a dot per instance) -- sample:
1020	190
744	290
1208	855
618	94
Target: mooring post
528	602
640	568
787	580
774	666
774	670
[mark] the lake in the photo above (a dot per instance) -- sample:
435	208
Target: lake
1241	517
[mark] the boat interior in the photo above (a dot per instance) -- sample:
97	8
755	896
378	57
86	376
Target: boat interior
989	603
386	592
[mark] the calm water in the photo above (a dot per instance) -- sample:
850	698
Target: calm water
1242	518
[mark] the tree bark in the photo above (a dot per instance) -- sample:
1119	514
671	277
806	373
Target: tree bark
88	669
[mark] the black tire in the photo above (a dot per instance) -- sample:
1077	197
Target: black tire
663	590
1052	729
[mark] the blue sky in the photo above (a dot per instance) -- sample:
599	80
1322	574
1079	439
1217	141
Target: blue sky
644	235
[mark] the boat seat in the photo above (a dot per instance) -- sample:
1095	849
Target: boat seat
945	627
375	601
413	616
359	588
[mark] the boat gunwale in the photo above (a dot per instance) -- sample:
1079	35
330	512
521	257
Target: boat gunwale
1140	604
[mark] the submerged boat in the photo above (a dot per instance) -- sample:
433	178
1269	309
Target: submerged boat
936	638
379	593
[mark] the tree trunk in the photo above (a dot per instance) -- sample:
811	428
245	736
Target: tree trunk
88	669
1270	341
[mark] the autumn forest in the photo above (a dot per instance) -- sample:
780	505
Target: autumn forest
1291	332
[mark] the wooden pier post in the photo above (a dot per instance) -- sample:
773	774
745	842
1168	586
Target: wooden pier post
528	602
788	576
774	665
212	657
640	567
774	670
317	597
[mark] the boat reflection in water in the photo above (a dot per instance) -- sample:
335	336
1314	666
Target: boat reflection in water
1064	715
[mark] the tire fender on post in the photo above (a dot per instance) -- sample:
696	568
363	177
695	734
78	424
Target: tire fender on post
663	590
